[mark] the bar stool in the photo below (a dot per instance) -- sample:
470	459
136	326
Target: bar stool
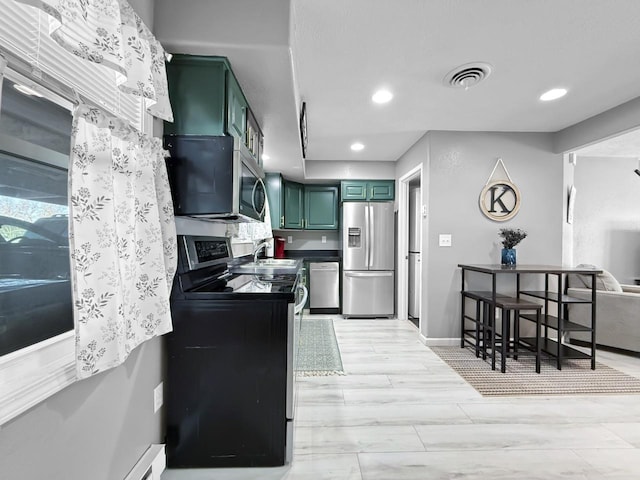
482	334
509	305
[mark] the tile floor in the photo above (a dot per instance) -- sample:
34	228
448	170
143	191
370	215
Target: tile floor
401	413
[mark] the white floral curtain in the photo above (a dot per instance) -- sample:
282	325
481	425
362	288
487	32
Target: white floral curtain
110	33
122	239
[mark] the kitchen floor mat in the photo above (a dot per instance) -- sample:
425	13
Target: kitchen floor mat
318	352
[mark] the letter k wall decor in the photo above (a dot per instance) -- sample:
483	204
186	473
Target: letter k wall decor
500	199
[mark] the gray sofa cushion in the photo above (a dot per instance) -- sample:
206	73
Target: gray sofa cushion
604	281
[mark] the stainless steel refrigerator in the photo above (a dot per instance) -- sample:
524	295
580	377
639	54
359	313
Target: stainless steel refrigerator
368	237
414	253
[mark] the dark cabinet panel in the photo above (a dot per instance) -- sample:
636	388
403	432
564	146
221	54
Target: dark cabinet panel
226	384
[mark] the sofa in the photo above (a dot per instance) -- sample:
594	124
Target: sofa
617	311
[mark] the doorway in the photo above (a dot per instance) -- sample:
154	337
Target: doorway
414	280
407	185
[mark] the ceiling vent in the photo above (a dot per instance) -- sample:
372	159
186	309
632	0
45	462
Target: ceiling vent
467	75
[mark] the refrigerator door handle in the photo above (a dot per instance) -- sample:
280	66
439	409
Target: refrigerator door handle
371	236
369	274
367	236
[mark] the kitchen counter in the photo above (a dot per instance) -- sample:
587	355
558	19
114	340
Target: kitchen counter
315	255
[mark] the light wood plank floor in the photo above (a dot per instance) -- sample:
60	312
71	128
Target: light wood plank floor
401	413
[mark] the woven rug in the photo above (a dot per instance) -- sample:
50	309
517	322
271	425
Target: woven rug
318	352
521	379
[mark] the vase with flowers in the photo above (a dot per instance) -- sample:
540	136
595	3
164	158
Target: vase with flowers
510	238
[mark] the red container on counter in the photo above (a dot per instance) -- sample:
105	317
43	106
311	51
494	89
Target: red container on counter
279	243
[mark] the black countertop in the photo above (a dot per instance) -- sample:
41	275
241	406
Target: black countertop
315	255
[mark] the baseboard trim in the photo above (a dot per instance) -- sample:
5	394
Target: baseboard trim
439	342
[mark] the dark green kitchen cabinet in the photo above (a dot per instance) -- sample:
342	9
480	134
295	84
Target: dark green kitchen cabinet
293	205
321	207
207	99
367	190
236	108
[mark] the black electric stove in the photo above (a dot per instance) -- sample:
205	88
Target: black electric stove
202	272
230	362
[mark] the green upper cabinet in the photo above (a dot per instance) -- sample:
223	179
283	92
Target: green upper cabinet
354	190
236	108
296	206
367	190
207	99
197	91
381	190
293	205
321	207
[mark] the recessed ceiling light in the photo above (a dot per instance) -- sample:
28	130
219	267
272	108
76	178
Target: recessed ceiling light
382	96
356	147
26	90
553	94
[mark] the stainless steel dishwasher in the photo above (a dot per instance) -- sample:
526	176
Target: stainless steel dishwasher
324	291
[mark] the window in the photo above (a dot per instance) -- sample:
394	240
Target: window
35	289
36	318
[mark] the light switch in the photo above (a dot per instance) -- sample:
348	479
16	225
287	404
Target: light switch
289	239
324	239
445	239
424	211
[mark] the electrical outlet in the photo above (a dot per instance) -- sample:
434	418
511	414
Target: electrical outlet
289	239
324	239
445	239
158	397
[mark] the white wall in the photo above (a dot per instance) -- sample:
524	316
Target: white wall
95	429
457	167
332	170
607	215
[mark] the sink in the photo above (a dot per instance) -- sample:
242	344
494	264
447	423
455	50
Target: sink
278	262
269	266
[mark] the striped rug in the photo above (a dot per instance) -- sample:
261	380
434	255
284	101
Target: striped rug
521	379
318	352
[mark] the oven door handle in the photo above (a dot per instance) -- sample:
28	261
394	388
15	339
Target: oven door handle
299	306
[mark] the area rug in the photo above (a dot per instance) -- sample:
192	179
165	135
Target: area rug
318	352
521	379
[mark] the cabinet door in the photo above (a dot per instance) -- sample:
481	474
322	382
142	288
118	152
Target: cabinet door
236	108
321	207
197	93
381	190
353	190
293	205
275	196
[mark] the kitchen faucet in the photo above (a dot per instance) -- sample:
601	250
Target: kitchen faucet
256	250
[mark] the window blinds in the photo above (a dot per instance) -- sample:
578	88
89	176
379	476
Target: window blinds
24	36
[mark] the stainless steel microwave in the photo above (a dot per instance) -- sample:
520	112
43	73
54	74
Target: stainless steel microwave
211	177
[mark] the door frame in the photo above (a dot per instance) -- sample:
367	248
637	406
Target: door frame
403	244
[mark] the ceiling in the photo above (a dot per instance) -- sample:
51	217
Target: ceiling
333	55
